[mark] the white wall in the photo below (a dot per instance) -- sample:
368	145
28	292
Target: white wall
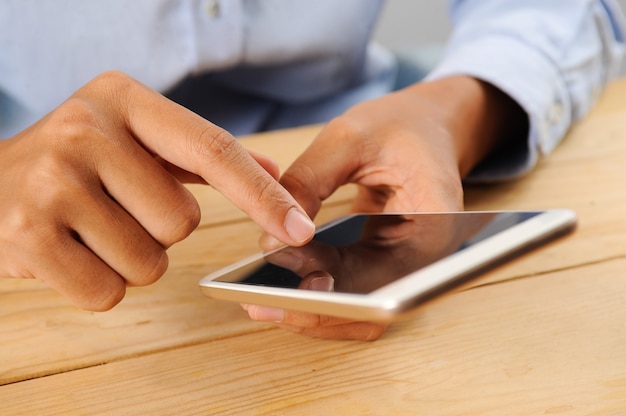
400	19
409	23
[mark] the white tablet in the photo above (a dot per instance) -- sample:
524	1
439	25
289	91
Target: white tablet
383	267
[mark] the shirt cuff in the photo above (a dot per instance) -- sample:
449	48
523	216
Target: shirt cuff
523	73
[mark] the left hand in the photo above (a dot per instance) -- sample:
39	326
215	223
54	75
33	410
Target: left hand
407	151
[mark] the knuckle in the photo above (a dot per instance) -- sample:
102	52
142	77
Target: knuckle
102	301
182	220
354	133
214	144
155	266
187	224
41	198
68	126
22	240
111	92
112	77
84	115
344	128
111	83
50	190
262	192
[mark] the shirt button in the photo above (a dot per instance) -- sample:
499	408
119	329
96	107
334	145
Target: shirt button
597	93
213	8
556	113
544	138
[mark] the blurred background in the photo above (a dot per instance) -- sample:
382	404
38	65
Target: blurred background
400	18
413	23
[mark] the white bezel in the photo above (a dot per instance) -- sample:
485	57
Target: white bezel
403	296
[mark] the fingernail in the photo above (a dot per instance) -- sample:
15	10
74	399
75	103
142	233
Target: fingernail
299	227
323	283
266	313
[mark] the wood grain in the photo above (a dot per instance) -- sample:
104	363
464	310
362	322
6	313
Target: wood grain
546	350
544	334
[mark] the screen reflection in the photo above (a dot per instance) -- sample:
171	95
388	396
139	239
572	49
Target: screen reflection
365	252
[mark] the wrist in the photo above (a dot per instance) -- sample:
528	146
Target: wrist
478	116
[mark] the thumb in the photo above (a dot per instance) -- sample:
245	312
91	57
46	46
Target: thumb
328	163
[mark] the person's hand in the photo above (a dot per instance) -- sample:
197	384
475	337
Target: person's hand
92	196
389	247
407	151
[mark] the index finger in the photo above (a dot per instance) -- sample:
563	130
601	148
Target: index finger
190	142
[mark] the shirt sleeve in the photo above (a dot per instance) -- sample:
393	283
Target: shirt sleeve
553	57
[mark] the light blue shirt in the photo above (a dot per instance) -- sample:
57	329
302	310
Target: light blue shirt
552	57
252	65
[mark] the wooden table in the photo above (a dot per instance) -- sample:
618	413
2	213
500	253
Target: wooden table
544	334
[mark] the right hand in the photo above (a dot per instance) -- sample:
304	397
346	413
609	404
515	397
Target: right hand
92	196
